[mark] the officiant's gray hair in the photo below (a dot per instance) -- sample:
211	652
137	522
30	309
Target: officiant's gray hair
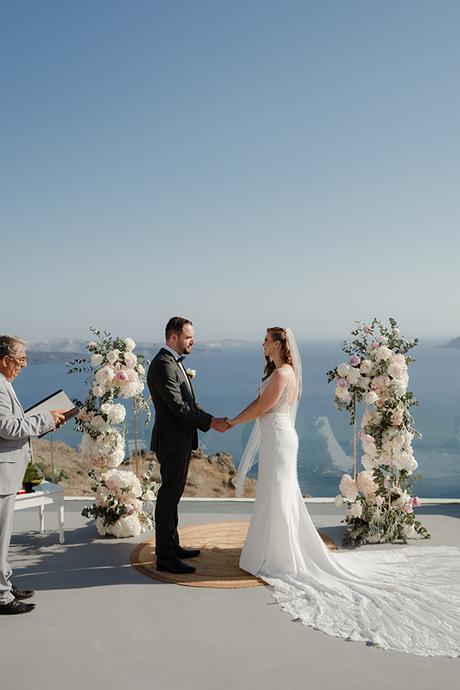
9	345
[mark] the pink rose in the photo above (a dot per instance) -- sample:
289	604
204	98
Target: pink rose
374	345
121	376
343	383
416	501
367	329
354	360
92	345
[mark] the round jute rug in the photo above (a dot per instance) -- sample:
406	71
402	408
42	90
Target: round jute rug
217	564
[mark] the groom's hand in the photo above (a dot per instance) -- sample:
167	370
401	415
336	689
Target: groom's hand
219	424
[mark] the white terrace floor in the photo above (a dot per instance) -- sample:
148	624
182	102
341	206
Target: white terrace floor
101	624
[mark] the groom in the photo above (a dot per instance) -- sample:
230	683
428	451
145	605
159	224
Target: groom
174	436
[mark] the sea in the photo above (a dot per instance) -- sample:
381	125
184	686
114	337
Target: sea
227	380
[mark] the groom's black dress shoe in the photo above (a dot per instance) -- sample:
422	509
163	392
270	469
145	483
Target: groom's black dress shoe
14	607
22	593
174	565
187	553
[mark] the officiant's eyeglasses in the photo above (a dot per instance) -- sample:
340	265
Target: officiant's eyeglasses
21	360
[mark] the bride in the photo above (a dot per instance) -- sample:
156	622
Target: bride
406	599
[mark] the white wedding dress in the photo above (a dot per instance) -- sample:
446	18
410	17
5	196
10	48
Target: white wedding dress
405	599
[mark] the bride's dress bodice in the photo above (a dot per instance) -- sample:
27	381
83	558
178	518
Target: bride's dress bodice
283	405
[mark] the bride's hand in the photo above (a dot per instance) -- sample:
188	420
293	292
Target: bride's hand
230	422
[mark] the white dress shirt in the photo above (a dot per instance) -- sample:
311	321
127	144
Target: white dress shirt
176	357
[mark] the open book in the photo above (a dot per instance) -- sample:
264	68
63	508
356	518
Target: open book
56	401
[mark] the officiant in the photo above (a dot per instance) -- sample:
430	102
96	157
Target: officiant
16	431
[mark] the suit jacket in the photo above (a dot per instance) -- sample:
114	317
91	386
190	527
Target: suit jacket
15	432
177	415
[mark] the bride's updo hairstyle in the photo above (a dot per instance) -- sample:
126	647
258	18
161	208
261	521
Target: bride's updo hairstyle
278	334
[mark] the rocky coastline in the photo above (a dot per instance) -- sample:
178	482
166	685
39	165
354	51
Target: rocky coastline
209	476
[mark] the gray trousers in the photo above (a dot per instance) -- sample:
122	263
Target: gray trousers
6	527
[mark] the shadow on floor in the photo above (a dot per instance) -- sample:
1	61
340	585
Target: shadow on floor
84	560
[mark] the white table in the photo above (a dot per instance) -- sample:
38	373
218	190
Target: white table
46	493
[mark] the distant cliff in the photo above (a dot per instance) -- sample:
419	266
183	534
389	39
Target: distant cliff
43	357
66	349
455	343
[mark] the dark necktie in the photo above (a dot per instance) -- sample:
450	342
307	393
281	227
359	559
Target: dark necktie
181	359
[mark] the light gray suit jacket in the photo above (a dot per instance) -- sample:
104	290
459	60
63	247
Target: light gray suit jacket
16	431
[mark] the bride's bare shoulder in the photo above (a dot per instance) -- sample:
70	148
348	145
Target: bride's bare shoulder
285	373
288	373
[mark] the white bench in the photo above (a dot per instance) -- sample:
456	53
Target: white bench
46	493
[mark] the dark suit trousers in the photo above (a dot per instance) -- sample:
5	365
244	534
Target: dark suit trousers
174	469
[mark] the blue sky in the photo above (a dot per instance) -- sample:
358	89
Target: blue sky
239	163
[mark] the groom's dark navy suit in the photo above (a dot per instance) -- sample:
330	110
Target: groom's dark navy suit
174	436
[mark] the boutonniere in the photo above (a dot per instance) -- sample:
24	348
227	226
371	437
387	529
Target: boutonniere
191	373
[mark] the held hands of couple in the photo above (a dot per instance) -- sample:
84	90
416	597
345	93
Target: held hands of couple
220	424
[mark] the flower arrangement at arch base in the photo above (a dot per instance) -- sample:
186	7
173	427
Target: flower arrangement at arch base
379	501
114	371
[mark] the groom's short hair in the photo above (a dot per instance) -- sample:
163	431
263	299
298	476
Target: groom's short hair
175	325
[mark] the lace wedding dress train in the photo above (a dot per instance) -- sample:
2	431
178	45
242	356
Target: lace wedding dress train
406	599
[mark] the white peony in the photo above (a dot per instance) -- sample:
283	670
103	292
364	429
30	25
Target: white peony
112	356
129	344
403	499
366	484
368	462
400	359
347	488
366	367
343	370
122	479
130	360
383	353
126	526
353	376
140	369
96	360
397	371
405	461
364	382
356	510
104	375
371	397
400	385
132	389
115	413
